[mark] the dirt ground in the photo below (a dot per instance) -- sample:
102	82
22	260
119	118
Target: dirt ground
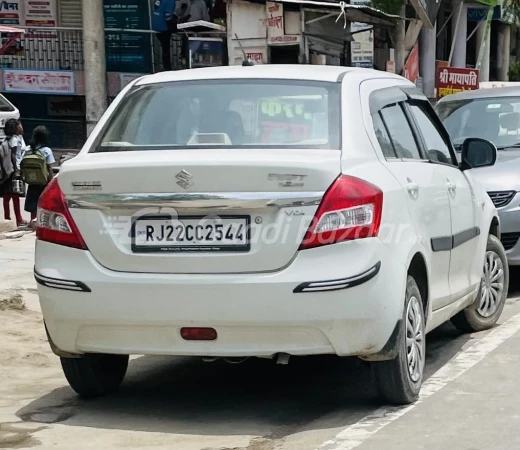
185	404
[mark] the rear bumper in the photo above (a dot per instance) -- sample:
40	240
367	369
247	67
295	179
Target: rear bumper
88	308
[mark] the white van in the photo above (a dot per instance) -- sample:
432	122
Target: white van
7	111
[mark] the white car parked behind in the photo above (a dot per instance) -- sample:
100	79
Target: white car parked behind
7	111
266	211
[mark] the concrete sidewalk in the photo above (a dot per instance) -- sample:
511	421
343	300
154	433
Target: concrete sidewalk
479	410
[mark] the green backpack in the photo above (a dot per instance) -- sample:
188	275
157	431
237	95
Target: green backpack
33	168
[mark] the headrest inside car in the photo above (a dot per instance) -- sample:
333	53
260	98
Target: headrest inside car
510	121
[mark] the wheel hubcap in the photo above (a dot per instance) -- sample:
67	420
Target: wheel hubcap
492	285
415	344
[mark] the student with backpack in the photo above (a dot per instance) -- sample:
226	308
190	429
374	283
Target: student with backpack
11	186
36	168
17	143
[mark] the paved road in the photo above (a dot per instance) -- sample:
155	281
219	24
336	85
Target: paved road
470	401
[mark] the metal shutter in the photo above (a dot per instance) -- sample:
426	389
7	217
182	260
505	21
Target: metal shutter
70	13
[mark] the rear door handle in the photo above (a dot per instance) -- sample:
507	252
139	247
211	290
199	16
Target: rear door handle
412	187
452	188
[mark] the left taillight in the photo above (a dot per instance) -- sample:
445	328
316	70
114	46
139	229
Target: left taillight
54	221
351	209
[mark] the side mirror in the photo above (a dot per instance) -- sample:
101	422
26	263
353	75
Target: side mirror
478	152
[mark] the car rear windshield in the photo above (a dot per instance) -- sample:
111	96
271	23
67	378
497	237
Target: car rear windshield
5	106
230	113
496	119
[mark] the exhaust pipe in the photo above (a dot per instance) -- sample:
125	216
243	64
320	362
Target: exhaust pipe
283	358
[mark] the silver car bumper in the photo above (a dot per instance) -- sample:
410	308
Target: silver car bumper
510	229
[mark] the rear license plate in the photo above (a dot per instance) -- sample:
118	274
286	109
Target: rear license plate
191	234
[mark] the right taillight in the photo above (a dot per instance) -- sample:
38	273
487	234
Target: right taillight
55	224
351	209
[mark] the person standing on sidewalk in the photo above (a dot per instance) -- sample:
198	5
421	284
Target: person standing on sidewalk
164	23
36	168
198	10
11	155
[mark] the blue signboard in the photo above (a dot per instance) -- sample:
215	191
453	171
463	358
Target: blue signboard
480	14
127	51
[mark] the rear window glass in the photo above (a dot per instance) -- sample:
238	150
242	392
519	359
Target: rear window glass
230	113
5	106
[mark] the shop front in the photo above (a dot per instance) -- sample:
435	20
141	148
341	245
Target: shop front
53	98
205	44
297	31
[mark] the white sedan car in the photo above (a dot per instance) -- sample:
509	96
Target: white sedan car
267	211
7	111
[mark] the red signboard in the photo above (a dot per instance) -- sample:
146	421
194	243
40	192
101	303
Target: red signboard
451	80
411	68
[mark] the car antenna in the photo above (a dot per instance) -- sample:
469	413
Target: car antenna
247	62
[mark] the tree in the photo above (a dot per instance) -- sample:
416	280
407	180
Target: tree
392	6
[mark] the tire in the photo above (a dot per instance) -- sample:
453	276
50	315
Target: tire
397	381
95	375
477	317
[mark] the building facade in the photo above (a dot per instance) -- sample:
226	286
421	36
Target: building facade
42	68
469	34
45	72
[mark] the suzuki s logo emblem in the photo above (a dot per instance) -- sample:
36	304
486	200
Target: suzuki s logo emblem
185	179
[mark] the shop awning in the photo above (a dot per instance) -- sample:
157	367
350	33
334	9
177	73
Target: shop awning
4	29
351	13
200	26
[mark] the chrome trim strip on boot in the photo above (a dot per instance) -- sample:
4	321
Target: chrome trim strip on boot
201	201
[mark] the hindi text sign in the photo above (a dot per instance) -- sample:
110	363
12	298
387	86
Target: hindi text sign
65	106
11	13
256	57
275	26
40	13
451	80
57	82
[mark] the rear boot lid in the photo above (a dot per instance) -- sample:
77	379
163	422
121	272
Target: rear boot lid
204	211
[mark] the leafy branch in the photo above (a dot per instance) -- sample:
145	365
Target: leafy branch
514	70
511	11
392	6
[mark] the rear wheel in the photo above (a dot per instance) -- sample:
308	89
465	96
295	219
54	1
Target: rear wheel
399	380
95	375
491	299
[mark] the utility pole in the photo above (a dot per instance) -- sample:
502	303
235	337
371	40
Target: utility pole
95	65
427	48
399	37
483	50
460	31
